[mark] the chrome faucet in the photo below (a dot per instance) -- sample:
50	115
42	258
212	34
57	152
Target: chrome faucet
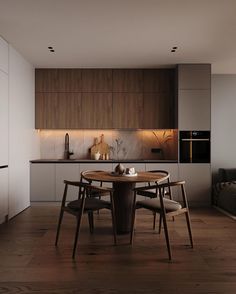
67	152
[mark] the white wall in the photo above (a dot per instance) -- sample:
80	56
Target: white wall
3	129
23	138
223	116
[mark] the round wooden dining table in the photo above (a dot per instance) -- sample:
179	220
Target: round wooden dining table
123	186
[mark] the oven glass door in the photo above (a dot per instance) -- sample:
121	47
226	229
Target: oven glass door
201	151
195	146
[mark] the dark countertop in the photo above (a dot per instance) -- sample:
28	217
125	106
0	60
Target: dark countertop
102	161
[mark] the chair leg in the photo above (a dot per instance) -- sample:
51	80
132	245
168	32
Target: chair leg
91	221
79	217
59	226
99	197
167	236
170	197
133	219
154	220
160	224
189	228
113	218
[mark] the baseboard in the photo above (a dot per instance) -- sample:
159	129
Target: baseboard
225	212
45	203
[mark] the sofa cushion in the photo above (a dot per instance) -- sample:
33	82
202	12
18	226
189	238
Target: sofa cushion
227	174
227	198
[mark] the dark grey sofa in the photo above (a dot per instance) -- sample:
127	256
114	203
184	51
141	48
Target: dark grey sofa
225	190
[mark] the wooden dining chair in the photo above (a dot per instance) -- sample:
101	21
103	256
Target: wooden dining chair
151	193
85	203
97	194
165	207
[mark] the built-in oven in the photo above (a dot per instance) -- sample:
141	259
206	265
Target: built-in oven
194	146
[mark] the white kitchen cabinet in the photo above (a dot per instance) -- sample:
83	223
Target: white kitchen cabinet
42	182
4	118
194	76
3	194
194	97
70	172
3	55
46	179
194	110
198	183
95	166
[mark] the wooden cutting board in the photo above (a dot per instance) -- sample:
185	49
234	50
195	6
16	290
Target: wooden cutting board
101	147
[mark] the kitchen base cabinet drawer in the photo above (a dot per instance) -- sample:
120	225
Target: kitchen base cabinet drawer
42	182
70	172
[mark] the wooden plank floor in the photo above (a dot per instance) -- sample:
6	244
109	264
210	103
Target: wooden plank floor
31	264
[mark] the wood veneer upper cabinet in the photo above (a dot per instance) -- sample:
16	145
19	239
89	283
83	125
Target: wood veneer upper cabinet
159	105
69	80
104	98
158	111
128	80
194	96
69	110
96	110
46	116
158	80
58	110
46	80
96	80
127	110
58	80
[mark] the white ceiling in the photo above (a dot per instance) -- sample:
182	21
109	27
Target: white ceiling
122	33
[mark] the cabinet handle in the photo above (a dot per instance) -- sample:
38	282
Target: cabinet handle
189	140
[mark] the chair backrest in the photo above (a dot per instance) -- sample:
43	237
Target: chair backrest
165	173
160	171
83	174
181	184
81	192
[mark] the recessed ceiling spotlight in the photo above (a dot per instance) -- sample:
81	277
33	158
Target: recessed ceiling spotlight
51	49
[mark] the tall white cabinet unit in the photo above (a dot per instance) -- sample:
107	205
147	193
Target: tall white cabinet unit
198	183
4	102
4	116
194	113
194	97
3	194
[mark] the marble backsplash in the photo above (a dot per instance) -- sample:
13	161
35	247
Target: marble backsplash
123	144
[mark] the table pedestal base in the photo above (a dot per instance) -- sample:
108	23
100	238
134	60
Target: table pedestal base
123	202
